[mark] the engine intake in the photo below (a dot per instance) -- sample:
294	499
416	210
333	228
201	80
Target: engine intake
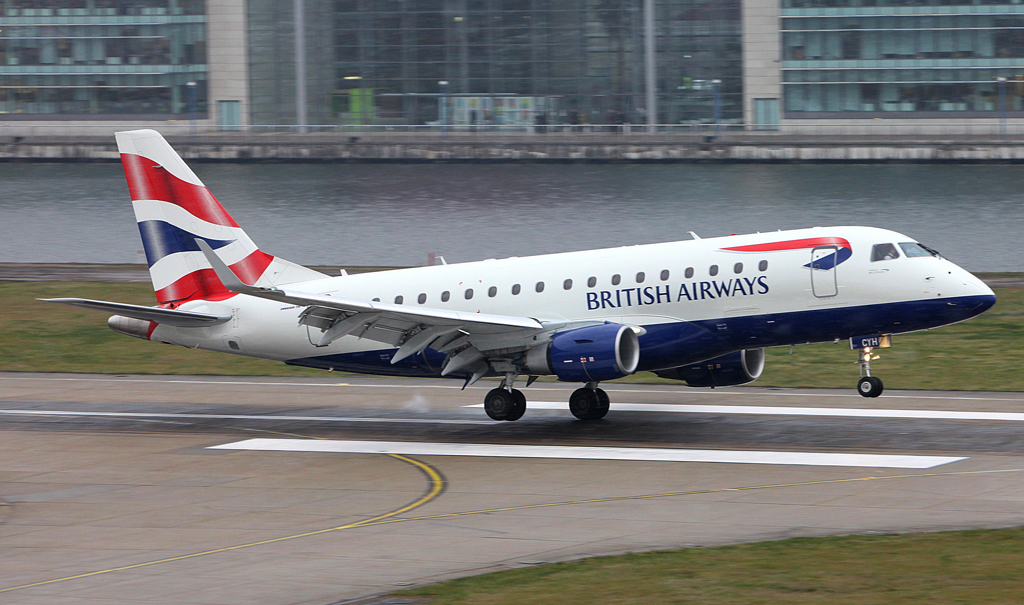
732	369
594	353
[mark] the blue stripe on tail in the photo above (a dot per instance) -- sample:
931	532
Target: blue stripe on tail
161	239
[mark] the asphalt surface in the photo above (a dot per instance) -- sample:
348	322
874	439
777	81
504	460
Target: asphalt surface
156	490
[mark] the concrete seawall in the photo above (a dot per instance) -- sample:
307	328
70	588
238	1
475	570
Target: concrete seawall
369	150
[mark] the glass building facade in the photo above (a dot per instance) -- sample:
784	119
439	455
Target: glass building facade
100	59
871	58
504	61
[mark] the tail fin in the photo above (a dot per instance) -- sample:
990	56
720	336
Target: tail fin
173	208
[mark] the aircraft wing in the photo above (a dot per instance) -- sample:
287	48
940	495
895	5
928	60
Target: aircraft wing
411	329
170	317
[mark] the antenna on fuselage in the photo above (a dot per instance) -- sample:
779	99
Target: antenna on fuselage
693	235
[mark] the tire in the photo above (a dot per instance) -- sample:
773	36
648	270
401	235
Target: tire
519	406
498	404
603	403
584	404
870	386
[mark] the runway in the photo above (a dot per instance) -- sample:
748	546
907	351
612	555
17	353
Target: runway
215	490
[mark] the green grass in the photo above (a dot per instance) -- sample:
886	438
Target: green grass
985	353
971	567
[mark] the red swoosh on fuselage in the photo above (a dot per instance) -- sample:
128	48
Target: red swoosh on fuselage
793	244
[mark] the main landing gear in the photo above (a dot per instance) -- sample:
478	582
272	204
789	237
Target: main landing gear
589	403
868	385
505	404
508	403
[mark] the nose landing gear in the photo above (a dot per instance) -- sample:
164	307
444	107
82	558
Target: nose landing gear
868	385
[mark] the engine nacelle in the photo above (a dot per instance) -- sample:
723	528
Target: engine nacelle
594	353
735	368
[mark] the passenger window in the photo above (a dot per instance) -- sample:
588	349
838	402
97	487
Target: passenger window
914	249
713	271
689	272
469	293
762	266
567	284
664	275
445	296
398	300
422	298
540	286
737	268
884	252
616	279
591	282
515	290
492	291
640	277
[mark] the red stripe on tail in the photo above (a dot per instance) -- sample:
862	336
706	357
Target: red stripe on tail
251	268
205	285
149	181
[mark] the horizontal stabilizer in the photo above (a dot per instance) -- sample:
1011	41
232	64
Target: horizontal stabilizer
170	317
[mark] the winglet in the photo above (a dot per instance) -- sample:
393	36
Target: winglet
224	273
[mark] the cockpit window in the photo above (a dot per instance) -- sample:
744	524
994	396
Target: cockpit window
884	252
912	249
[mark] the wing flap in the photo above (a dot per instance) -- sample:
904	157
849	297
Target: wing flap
170	317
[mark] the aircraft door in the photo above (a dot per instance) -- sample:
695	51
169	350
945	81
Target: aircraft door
824	283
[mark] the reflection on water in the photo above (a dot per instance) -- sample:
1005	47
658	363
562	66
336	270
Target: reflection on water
379	214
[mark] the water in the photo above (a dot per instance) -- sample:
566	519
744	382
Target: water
379	214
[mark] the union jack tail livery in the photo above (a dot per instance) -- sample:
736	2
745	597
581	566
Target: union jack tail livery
173	209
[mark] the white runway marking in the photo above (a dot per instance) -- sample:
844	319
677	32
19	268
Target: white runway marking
589	453
612	388
786	411
241	417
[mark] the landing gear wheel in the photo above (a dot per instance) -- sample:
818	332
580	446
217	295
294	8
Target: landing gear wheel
499	404
585	404
870	386
603	403
519	408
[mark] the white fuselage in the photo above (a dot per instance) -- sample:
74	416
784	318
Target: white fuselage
740	296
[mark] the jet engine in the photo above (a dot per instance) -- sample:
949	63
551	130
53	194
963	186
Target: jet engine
590	354
739	367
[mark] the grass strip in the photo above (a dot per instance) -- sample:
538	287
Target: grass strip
976	567
983	354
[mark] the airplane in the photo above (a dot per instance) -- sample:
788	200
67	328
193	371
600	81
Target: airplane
700	311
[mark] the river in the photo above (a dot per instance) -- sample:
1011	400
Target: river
384	214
